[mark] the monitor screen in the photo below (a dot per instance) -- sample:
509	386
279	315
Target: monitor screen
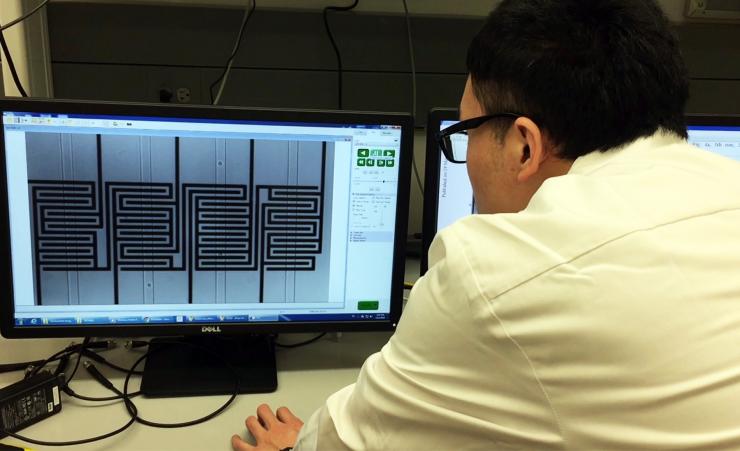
158	220
450	196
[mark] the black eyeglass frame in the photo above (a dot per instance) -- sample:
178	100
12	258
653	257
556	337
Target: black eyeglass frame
443	136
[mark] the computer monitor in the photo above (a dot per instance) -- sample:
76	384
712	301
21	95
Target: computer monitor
449	195
163	220
718	134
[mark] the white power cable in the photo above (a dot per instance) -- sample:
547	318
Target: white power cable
247	14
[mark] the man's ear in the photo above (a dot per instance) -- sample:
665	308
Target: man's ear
533	152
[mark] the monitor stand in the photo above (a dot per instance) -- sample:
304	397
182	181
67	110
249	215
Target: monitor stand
181	366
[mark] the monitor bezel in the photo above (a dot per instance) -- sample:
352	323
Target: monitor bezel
56	106
717	120
431	180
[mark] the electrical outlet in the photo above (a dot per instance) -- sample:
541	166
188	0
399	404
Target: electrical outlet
165	95
183	95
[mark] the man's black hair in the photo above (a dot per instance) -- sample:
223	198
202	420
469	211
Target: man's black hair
594	74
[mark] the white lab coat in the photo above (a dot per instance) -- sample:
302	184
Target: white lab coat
606	315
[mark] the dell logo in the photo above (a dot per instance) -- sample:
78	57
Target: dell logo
210	329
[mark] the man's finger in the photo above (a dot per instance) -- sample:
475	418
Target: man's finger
257	430
286	416
240	445
264	412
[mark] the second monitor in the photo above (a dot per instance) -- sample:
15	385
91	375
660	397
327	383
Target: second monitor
449	195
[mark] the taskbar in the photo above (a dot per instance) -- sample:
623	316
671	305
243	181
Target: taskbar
190	319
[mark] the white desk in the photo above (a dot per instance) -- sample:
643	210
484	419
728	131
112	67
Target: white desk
306	377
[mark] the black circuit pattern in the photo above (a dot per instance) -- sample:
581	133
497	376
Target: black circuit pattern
222	229
144	228
65	230
175	226
291	227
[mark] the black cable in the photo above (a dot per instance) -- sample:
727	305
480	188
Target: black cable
302	343
334	45
141	420
227	66
68	390
25	16
85	341
71	442
38	365
62	365
56	356
74	394
11	66
85	350
19	366
100	359
98	376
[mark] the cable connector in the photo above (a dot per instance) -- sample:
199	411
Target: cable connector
103	344
133	344
67	389
29	371
62	366
98	376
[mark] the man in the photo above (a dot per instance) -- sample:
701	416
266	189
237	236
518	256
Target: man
595	302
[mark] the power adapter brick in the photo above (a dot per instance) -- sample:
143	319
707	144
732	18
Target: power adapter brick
29	401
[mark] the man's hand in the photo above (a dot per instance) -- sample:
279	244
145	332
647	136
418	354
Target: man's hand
271	432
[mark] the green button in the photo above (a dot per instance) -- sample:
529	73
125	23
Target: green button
363	152
389	153
376	153
360	162
381	163
390	163
370	162
368	305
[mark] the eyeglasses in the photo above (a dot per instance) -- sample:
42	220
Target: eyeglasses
453	140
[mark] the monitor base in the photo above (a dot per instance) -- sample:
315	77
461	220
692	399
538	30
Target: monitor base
181	367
